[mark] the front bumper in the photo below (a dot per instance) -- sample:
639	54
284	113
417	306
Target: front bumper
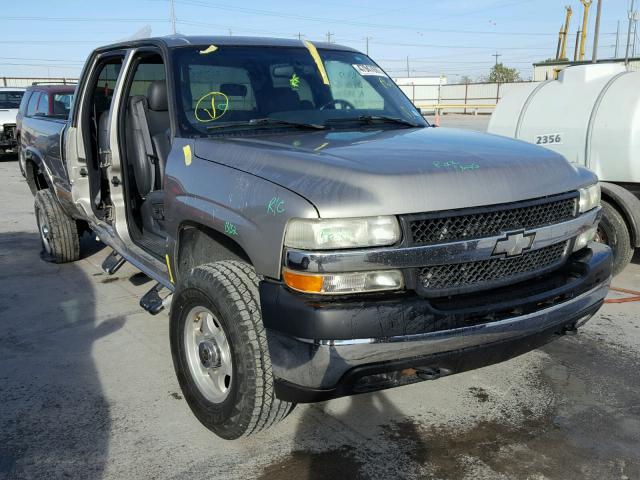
325	349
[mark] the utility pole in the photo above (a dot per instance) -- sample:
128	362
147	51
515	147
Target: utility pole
575	52
596	34
300	35
496	55
172	16
631	17
329	35
408	71
615	55
230	32
366	39
635	38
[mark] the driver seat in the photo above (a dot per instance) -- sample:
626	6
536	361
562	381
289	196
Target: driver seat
150	143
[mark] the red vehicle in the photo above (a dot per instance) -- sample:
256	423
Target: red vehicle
39	103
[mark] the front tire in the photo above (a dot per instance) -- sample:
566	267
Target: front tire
613	231
58	231
220	352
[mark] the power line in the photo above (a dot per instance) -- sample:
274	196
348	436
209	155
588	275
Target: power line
87	19
272	13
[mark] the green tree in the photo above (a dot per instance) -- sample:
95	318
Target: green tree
501	74
464	79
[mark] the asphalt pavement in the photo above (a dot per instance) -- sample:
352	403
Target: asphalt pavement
87	390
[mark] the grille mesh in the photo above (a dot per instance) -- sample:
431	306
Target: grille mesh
485	224
9	131
471	274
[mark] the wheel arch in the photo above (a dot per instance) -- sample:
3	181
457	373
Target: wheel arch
37	176
198	244
627	204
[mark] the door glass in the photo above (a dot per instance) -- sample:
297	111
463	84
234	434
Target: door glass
33	103
43	106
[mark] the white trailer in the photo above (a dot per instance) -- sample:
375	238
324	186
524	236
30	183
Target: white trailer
591	115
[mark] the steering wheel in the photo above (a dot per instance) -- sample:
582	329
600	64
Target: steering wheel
345	104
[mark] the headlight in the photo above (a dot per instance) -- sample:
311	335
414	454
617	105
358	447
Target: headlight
589	197
344	283
336	233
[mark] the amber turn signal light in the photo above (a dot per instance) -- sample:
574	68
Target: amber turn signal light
303	282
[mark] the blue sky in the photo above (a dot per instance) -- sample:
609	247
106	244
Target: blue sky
452	37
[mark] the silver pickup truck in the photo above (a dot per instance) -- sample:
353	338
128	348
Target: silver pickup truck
312	234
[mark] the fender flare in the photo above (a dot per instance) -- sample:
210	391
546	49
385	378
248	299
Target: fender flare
32	155
629	206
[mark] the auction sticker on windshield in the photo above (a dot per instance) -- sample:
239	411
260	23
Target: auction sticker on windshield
364	69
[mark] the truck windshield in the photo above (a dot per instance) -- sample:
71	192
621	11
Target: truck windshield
226	88
9	99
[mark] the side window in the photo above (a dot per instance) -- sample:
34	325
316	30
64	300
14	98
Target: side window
62	104
103	90
145	74
24	102
347	83
33	103
43	105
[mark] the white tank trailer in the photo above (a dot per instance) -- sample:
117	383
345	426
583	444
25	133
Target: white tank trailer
591	115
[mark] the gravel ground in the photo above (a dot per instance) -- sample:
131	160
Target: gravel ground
87	390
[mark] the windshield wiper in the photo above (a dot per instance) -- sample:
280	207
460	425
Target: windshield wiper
268	121
371	119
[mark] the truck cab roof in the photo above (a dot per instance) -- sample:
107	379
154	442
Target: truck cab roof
177	41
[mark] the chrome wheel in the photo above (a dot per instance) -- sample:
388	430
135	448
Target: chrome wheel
45	232
208	354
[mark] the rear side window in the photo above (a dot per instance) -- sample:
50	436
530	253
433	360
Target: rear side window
33	103
103	91
62	104
24	101
43	105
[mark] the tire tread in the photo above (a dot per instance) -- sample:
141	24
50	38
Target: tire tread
65	241
240	287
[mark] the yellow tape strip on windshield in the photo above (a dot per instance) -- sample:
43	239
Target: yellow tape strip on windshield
316	57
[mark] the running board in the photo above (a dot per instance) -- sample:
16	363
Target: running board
113	263
153	302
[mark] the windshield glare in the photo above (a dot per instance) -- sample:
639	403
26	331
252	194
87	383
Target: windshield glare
10	99
233	85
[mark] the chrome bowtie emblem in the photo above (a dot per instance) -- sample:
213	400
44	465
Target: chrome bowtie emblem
514	244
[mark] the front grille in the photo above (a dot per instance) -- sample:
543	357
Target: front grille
452	226
9	130
457	277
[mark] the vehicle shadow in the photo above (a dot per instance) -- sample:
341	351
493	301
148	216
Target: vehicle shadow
55	419
363	436
636	257
8	157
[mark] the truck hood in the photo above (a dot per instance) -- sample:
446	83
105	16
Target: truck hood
389	172
8	115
